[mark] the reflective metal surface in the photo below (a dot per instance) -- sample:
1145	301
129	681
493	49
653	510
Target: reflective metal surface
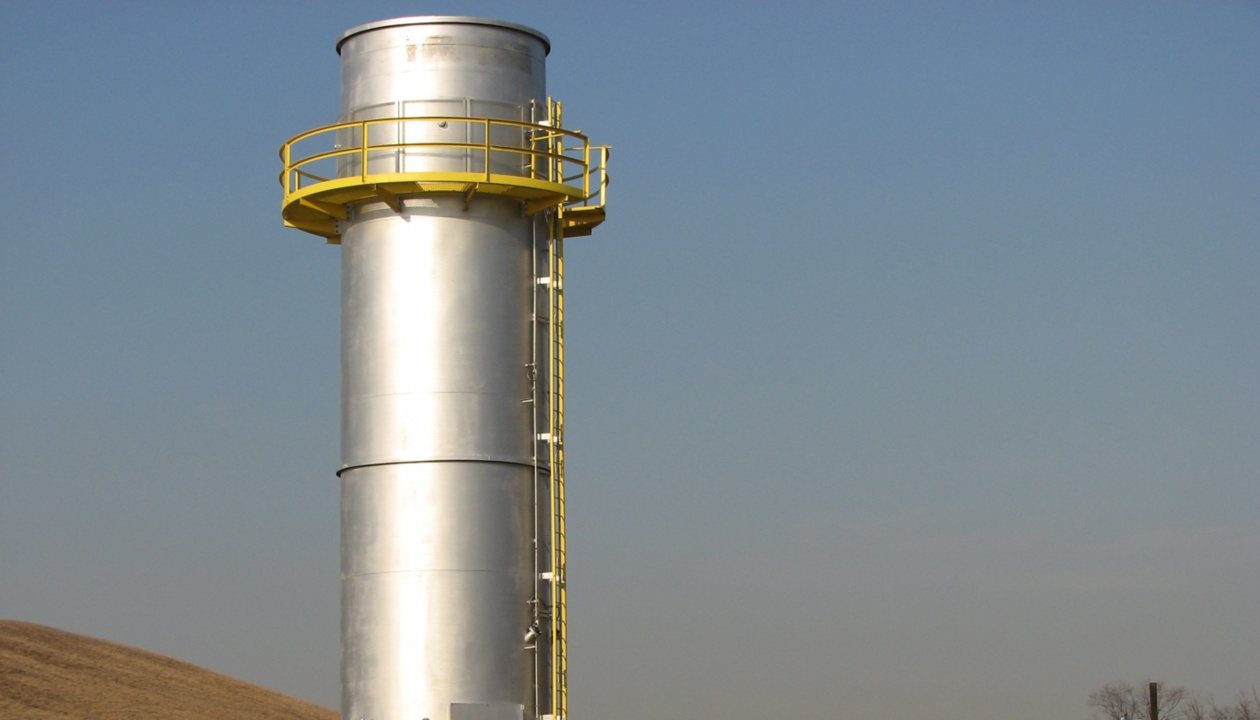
443	20
438	438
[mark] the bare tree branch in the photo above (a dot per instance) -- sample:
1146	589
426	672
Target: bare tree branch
1116	701
1122	701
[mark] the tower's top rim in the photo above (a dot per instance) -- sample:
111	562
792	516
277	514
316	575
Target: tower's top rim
442	20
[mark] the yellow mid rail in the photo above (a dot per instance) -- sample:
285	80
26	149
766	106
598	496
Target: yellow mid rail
328	168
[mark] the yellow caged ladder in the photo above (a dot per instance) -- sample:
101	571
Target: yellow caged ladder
572	219
555	403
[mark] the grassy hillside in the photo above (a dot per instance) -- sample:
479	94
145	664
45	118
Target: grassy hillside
48	674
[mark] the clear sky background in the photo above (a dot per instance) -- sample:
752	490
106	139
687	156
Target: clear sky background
916	372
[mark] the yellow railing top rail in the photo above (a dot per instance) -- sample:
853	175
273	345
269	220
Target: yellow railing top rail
546	157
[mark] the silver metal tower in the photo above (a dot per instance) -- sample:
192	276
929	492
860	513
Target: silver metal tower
450	185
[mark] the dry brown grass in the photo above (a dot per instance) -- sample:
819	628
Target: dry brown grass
49	674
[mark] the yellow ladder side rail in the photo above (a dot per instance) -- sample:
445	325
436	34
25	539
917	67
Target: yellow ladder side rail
559	610
561	541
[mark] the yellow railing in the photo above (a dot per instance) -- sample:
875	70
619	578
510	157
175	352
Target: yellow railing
598	170
546	154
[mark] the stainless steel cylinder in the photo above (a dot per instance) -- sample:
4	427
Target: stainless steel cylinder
438	445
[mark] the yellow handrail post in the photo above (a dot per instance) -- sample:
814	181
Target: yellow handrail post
363	150
487	123
604	155
586	168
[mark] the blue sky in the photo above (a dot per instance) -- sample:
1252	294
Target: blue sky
917	369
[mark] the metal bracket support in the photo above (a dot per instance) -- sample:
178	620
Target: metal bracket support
536	206
389	198
327	208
